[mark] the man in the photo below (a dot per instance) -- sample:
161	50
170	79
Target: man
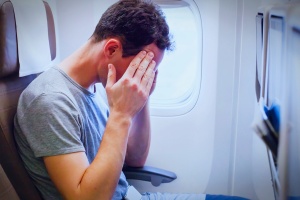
70	146
73	145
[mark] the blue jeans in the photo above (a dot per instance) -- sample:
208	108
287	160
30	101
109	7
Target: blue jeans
168	196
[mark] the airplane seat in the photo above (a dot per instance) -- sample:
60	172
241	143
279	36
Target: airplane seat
11	86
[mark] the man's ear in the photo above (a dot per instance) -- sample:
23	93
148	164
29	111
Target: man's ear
112	48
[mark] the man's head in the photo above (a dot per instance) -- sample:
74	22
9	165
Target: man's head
136	23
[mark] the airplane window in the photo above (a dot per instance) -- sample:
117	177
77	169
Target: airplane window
179	76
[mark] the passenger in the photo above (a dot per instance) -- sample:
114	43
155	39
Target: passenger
74	146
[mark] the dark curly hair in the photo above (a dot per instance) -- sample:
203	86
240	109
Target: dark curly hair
136	23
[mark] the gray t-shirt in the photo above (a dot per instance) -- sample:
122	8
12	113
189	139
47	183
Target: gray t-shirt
57	116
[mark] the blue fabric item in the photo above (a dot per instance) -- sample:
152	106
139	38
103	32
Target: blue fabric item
294	198
223	197
170	196
273	114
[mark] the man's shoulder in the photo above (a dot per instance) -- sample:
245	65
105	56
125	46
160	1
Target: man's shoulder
47	81
46	88
50	81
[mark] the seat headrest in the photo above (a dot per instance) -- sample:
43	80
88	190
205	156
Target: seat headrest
9	64
8	40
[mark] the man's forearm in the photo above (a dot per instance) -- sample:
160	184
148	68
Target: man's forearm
75	178
108	163
139	139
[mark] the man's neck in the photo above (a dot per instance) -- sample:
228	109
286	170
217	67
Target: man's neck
81	66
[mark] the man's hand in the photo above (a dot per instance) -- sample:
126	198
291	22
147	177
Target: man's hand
129	95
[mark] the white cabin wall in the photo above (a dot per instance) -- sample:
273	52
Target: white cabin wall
75	22
235	167
219	178
250	161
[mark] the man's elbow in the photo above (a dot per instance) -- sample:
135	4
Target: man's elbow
135	162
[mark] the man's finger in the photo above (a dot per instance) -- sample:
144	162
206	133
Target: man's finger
145	63
150	83
149	74
134	64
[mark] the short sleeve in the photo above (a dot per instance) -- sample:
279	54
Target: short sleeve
52	125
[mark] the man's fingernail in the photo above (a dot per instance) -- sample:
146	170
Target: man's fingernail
150	54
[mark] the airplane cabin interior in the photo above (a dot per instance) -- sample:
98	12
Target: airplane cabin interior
224	114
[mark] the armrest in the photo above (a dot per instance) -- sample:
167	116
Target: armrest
151	174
